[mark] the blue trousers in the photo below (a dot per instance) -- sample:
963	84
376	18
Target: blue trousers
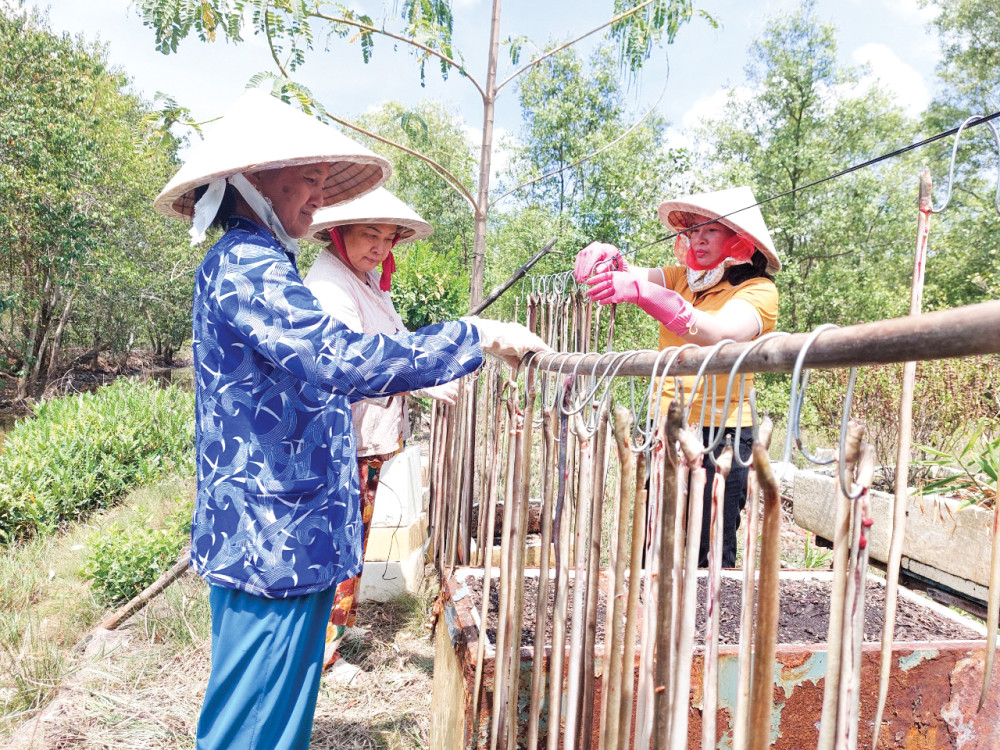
267	659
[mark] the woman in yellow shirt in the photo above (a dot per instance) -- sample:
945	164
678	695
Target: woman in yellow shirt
724	289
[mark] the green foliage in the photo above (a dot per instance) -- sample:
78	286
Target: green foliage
428	286
124	561
87	263
949	395
639	33
970	467
85	451
846	245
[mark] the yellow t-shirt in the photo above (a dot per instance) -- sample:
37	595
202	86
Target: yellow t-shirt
759	292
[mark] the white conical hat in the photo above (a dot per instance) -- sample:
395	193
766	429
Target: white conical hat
735	208
377	207
261	132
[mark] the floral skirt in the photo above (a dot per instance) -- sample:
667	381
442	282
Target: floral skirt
345	603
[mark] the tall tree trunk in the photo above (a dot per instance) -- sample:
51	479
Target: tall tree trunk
483	194
55	347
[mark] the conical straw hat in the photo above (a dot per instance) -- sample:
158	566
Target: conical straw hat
377	207
735	208
261	132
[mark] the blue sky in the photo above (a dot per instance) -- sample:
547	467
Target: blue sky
890	35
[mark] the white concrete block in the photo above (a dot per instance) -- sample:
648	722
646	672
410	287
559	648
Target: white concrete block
398	498
383	581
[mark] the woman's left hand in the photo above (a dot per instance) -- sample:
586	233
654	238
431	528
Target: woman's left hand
612	287
446	392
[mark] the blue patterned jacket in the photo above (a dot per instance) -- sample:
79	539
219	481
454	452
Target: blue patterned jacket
277	512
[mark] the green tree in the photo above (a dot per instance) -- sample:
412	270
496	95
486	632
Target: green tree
78	163
964	262
426	29
846	245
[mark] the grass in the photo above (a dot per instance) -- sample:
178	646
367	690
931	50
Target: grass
45	603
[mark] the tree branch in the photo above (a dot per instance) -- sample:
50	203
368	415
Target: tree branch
599	151
447	176
406	40
571	42
270	44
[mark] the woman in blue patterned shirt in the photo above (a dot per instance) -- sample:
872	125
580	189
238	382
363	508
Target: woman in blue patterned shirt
276	522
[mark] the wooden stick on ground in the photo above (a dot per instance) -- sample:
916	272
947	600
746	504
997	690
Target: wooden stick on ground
144	597
902	480
713	590
766	630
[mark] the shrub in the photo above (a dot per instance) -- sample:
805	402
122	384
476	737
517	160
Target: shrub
951	398
124	562
429	287
85	451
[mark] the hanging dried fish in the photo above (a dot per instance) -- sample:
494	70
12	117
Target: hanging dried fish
618	667
713	589
550	426
560	533
574	706
679	704
993	600
635	563
766	630
742	715
902	473
838	585
849	699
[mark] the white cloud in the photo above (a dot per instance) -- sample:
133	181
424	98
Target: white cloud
901	79
709	108
911	9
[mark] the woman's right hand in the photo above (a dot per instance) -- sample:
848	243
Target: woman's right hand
599	256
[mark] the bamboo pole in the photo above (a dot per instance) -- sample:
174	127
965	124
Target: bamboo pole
458	472
550	426
766	631
617	666
561	535
635	563
902	458
958	332
993	599
581	567
834	646
713	590
691	446
741	720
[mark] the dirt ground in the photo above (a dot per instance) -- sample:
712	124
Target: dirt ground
141	686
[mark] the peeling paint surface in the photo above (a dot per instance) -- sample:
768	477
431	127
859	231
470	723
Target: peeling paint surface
908	662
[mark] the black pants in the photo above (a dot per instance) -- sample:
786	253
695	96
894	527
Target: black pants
736	498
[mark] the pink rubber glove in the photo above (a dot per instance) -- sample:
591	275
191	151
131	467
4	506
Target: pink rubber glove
666	305
600	256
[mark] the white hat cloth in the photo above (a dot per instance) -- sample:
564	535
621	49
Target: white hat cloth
377	207
735	208
261	132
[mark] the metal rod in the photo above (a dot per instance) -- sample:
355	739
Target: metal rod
959	332
515	277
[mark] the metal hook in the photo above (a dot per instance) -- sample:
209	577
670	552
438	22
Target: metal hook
954	157
698	380
795	400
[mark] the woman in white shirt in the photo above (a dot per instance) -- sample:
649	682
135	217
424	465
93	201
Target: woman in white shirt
361	235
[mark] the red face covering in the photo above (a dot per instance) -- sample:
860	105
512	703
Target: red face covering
388	263
738	247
